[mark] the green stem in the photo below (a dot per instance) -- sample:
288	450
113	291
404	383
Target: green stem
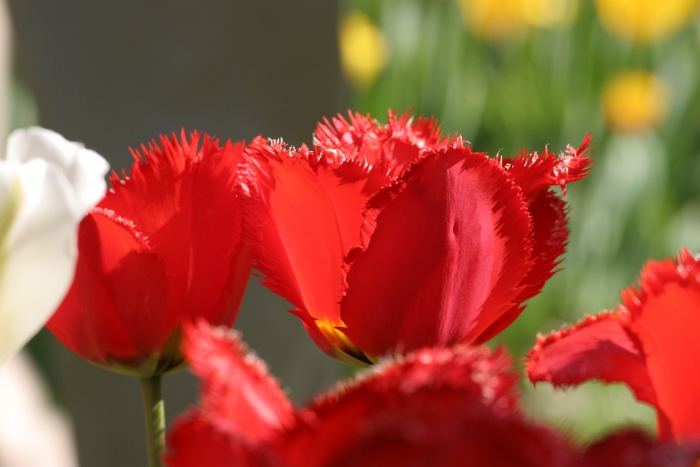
154	412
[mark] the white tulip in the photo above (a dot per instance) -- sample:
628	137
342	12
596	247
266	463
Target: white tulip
47	185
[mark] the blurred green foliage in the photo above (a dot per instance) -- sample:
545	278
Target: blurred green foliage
544	87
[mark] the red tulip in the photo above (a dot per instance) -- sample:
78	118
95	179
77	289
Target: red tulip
650	343
162	248
387	238
438	407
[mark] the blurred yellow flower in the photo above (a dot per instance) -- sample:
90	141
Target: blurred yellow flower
493	19
644	20
363	49
550	13
635	101
502	19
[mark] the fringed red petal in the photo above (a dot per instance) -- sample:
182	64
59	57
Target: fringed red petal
550	237
534	172
433	407
184	197
449	244
598	347
239	397
394	146
665	317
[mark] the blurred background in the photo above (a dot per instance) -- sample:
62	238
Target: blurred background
506	74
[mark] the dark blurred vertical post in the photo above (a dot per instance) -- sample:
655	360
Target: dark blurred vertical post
115	74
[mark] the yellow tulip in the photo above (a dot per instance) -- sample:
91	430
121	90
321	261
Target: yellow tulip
363	49
644	20
502	19
493	19
635	101
549	13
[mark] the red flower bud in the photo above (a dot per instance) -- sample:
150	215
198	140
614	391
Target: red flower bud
162	248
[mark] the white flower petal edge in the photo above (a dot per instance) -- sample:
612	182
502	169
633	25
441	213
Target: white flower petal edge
47	185
84	168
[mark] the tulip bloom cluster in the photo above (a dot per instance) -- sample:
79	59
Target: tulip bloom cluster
443	407
389	238
396	245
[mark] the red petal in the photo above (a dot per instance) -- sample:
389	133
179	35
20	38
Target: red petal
436	407
184	199
633	448
599	347
534	172
118	275
666	319
362	138
302	222
449	245
239	397
550	237
478	373
193	442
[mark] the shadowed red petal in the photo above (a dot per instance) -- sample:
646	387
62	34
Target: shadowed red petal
118	275
195	442
535	174
430	428
435	407
666	319
550	237
185	198
633	448
449	244
599	347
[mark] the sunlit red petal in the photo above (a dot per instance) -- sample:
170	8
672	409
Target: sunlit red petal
185	198
666	320
118	275
534	172
302	222
362	138
449	244
599	347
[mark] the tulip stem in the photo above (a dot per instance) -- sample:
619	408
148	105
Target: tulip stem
154	412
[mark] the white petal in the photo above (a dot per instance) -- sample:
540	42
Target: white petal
39	250
84	168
